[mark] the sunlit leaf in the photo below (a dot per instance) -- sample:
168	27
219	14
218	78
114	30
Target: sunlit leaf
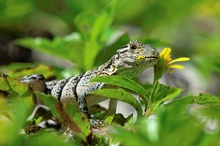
19	70
57	47
159	94
51	102
69	116
79	121
162	93
121	81
121	95
206	99
13	86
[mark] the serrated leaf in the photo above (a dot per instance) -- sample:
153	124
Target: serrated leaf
162	93
206	99
159	94
121	81
121	95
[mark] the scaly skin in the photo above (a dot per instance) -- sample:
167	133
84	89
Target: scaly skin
128	61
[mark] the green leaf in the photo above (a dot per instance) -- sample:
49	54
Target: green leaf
104	20
121	81
105	54
13	117
159	69
79	122
3	84
51	102
46	138
23	8
109	119
84	22
172	121
69	115
159	94
90	52
59	47
121	95
206	99
94	27
18	70
128	137
13	86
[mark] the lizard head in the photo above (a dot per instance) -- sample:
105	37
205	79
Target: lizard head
134	58
35	81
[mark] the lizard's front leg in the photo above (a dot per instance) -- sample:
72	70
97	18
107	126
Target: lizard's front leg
84	109
83	105
83	91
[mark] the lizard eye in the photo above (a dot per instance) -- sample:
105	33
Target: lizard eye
133	46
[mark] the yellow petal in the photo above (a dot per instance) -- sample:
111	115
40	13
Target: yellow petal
165	52
179	60
177	66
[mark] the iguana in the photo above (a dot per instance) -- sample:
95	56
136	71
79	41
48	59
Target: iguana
129	61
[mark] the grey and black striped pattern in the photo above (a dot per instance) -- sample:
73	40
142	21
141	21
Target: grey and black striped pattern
129	61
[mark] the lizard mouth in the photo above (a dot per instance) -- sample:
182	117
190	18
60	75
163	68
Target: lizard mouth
151	57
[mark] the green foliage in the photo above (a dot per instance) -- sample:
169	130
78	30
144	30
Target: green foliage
83	47
171	121
69	115
122	82
17	70
159	94
46	138
121	95
16	102
85	33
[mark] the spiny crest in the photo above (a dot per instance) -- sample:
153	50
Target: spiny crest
136	44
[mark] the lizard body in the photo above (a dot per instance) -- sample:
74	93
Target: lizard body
129	61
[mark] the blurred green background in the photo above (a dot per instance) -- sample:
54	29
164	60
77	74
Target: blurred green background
59	38
189	27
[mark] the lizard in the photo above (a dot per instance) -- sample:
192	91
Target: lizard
129	61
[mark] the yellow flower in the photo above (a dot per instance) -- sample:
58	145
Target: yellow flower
165	53
166	62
